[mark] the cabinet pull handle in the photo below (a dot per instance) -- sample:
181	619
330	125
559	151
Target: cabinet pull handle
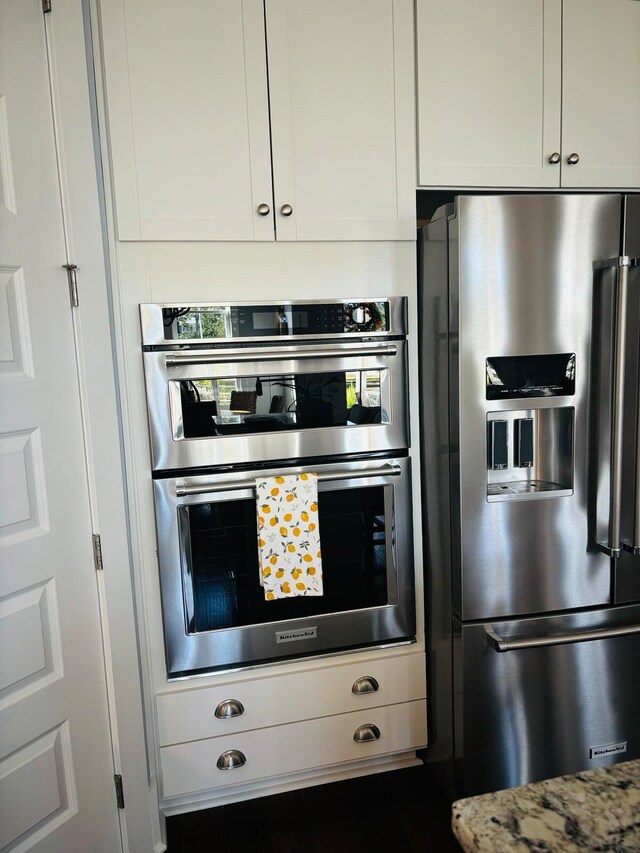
286	210
366	733
572	159
366	684
264	209
554	159
229	708
231	759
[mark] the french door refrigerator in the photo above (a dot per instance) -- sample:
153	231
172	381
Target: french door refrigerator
529	358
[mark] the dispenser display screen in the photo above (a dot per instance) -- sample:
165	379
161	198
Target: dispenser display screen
518	376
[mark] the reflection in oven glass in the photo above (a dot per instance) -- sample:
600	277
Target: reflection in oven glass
234	406
223	556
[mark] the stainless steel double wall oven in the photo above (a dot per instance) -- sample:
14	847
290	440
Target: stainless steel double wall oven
237	392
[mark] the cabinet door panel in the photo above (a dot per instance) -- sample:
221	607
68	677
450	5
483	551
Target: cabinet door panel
188	115
601	93
488	92
341	96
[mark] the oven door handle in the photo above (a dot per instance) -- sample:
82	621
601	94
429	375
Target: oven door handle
222	356
327	476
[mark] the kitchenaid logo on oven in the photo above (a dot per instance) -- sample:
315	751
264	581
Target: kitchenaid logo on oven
290	636
607	749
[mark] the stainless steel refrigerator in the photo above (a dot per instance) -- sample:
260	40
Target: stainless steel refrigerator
529	358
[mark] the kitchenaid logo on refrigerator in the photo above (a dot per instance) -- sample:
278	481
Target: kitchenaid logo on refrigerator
607	749
290	636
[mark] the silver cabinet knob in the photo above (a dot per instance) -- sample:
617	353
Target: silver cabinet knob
366	733
554	159
231	759
572	159
229	708
366	684
286	210
264	209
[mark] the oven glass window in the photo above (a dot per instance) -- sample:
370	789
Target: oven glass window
232	406
222	585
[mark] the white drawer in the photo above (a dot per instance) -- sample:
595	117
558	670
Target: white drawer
191	767
273	700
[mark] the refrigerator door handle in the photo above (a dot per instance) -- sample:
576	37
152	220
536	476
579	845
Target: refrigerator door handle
634	546
613	546
500	644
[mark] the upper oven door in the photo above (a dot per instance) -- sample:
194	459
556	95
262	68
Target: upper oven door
231	406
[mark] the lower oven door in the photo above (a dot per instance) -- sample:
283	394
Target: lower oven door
214	607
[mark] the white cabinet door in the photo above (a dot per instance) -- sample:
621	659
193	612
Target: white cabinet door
341	101
56	764
488	92
601	93
188	118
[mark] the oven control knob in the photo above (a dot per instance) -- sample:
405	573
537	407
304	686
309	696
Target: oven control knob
229	708
366	733
231	759
366	684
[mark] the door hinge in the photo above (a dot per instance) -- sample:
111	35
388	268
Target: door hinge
46	6
97	552
119	790
73	283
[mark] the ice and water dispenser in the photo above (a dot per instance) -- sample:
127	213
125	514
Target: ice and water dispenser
530	449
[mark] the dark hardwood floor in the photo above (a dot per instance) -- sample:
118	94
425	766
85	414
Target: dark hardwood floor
396	812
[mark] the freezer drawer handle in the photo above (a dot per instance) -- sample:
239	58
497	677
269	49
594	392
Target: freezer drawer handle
329	476
613	547
501	645
222	356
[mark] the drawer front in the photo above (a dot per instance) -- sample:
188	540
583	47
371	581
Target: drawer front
191	767
274	700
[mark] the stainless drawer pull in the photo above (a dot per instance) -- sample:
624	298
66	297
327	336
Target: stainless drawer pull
231	759
229	708
501	645
366	684
366	733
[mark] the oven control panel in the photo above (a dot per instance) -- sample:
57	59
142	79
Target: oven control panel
199	323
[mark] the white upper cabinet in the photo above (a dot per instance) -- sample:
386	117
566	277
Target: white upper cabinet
509	90
238	120
601	93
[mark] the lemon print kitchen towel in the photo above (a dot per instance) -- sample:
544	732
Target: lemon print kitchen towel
288	536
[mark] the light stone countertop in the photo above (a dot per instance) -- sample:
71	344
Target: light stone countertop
598	810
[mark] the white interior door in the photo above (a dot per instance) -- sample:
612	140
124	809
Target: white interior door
56	767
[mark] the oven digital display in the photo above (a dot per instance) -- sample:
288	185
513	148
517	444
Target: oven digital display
268	320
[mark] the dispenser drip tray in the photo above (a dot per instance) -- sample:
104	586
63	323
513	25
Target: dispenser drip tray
526	490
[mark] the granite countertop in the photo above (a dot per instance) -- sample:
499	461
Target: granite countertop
598	810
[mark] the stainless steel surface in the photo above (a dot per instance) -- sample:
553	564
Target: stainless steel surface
572	159
500	644
365	684
292	352
511	295
226	648
264	209
286	210
612	546
214	484
554	158
539	712
229	708
170	449
231	759
508	551
366	733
